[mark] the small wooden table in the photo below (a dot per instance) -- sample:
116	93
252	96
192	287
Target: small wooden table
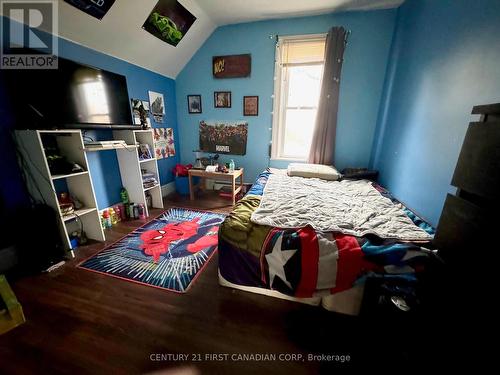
217	175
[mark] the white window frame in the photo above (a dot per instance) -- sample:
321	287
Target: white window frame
279	100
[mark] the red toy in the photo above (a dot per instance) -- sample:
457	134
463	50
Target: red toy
181	170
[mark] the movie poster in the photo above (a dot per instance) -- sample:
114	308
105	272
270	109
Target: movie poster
96	8
164	142
223	137
169	21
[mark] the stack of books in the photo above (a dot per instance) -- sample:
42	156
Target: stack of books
149	180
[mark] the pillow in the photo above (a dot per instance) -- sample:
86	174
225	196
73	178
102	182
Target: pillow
325	172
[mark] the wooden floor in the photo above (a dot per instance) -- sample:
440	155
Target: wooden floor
82	322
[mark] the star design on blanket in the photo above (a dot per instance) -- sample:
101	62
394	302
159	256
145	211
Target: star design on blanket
276	261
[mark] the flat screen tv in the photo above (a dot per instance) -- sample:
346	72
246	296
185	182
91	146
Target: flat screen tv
72	96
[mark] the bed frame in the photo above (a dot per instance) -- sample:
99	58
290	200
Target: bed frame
346	302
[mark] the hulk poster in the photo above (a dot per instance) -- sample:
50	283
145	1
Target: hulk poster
169	21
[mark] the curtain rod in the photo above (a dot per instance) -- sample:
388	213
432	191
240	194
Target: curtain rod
275	36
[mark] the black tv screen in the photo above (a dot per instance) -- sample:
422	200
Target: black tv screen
72	96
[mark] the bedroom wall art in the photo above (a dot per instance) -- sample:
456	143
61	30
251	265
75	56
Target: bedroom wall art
222	99
250	105
194	103
157	106
224	137
164	142
96	8
231	66
169	21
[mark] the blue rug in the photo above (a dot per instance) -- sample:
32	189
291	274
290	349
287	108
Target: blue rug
168	252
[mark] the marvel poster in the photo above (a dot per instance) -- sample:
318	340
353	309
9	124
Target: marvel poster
223	137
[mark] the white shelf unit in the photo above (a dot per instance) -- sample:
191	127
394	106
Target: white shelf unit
130	167
42	184
41	181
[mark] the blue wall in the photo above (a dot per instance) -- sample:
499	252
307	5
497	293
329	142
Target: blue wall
442	59
104	165
445	59
361	86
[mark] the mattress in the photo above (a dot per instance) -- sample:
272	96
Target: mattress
309	266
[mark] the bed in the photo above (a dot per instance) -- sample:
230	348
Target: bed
306	263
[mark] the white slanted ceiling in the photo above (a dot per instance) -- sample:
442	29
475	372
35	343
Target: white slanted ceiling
120	32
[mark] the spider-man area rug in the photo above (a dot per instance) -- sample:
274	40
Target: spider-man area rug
168	252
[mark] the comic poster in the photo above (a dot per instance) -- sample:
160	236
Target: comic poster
164	142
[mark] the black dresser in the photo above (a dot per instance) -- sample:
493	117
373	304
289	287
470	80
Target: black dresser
469	224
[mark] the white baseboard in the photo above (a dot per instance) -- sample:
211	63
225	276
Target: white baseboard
167	189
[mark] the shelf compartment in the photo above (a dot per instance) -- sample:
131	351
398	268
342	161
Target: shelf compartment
90	222
59	176
80	212
146	160
68	145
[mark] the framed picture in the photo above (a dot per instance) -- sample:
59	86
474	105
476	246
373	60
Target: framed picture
250	106
194	103
222	99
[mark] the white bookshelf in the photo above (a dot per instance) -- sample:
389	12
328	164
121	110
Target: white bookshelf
131	166
41	183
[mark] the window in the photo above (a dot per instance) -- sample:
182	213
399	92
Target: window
297	85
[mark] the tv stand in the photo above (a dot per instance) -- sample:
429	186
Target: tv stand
41	183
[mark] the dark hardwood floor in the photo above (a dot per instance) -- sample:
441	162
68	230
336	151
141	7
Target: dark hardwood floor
82	322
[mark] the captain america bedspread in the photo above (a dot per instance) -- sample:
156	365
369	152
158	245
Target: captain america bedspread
304	263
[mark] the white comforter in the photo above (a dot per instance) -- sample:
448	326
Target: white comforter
350	207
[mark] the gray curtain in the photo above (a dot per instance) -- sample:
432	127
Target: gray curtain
323	143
